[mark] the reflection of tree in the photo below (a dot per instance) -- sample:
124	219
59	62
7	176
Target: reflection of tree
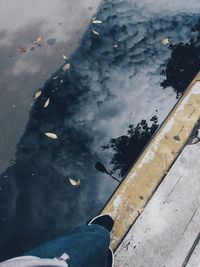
128	147
184	63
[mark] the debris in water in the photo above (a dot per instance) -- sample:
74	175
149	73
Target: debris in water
51	135
95	32
65	57
21	49
38	40
116	45
56	77
195	140
46	103
75	182
97	21
165	41
37	94
198	135
66	67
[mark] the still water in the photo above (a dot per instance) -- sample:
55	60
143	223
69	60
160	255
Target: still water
97	67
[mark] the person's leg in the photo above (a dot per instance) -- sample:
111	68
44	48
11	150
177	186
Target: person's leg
87	246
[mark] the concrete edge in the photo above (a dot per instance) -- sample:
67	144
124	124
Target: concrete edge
133	193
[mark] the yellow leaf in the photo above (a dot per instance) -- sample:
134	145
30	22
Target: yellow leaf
66	66
165	41
95	32
75	182
51	135
21	49
65	57
97	21
38	40
46	103
37	94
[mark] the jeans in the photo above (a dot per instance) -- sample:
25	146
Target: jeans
87	246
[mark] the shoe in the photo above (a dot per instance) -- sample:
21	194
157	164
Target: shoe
110	261
103	220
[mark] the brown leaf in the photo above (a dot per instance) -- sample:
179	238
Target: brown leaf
38	40
75	182
95	32
51	135
66	67
21	49
165	41
46	103
65	57
37	94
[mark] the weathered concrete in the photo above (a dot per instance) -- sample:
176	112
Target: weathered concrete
144	177
166	230
194	260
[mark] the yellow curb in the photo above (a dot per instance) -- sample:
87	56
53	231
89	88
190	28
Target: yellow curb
144	177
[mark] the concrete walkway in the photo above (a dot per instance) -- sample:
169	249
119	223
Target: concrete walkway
164	235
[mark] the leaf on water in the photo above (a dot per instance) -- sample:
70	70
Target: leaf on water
21	49
97	21
198	134
51	135
75	182
66	67
165	41
95	32
37	94
116	45
38	40
46	103
195	141
65	57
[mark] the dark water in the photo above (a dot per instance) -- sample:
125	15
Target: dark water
112	76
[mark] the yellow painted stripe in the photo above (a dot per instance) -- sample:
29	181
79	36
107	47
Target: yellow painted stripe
144	177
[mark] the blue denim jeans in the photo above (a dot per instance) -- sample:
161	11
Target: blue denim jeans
87	246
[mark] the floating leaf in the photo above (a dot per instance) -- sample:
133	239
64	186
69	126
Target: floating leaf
21	49
37	94
198	134
46	103
165	41
66	67
95	32
75	182
51	135
38	40
195	141
116	45
65	57
97	21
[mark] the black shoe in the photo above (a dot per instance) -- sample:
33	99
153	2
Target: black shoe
110	261
103	220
